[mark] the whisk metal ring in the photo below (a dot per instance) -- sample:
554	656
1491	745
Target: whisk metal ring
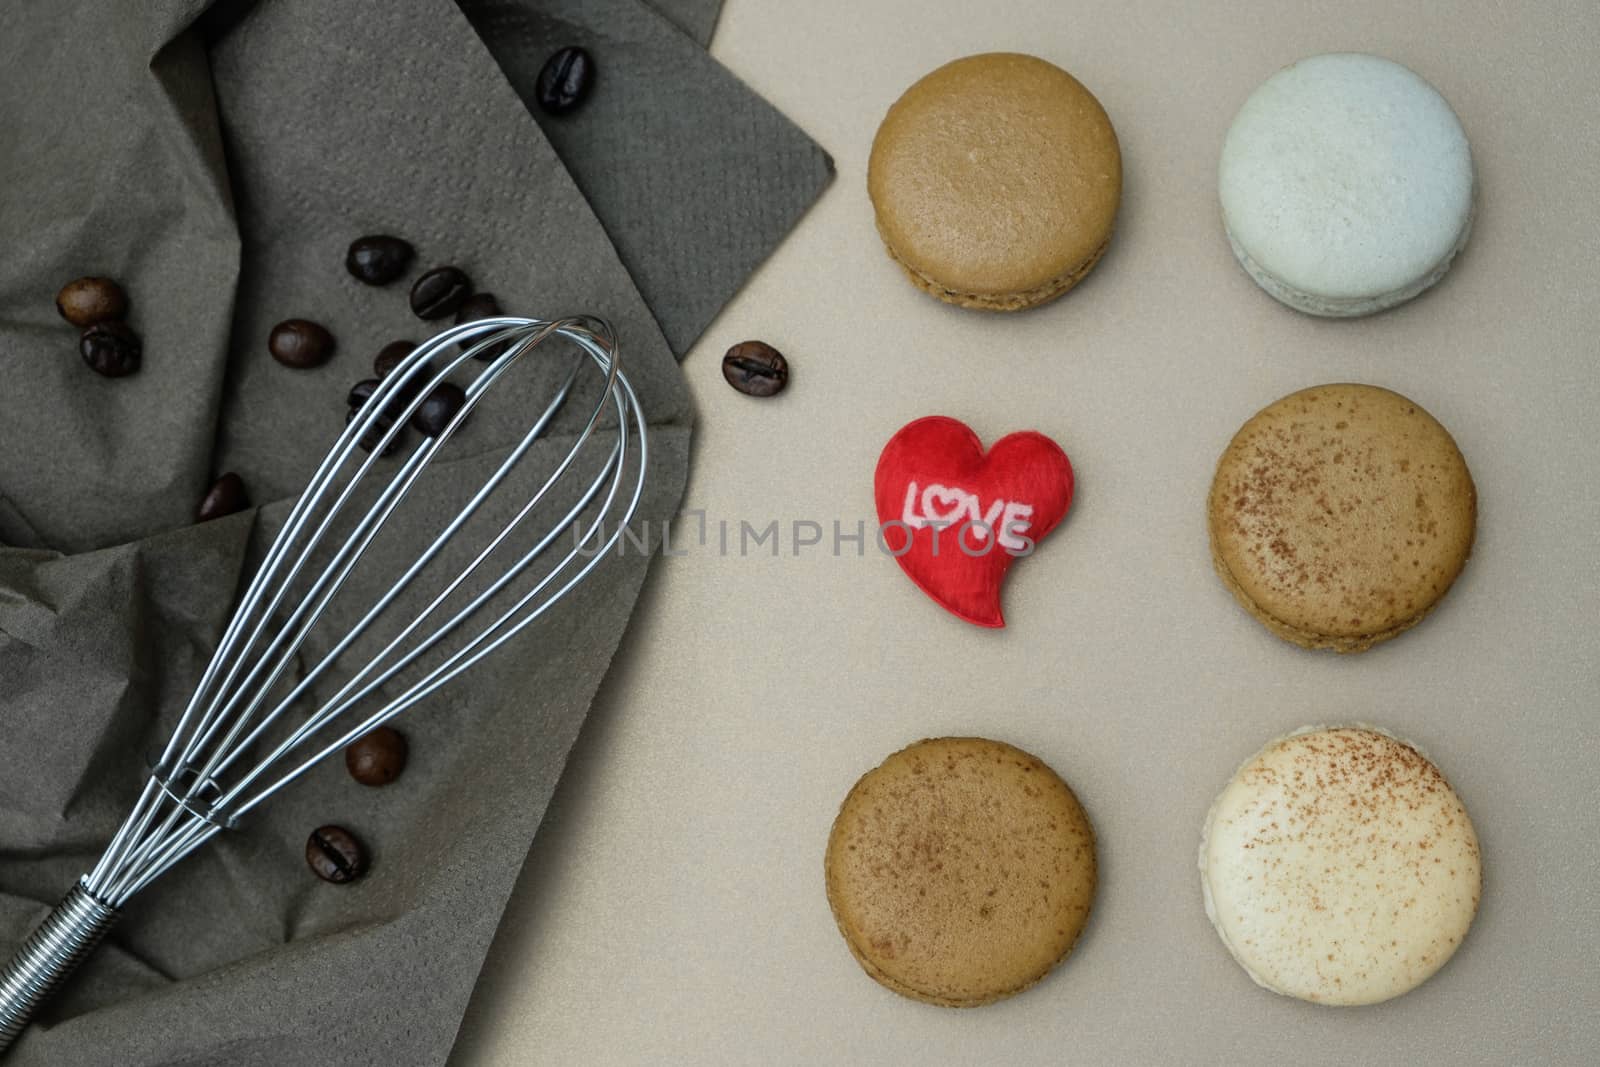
163	777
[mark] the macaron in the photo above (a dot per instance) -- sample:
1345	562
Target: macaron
1338	866
1340	515
960	871
995	181
1346	184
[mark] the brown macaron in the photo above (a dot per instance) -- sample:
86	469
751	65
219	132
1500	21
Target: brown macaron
960	871
995	181
1340	515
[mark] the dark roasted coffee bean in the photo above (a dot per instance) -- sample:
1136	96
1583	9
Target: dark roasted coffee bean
476	307
90	300
755	368
225	497
389	358
361	392
378	259
565	80
439	292
300	343
376	758
111	348
435	413
413	385
390	355
372	437
334	855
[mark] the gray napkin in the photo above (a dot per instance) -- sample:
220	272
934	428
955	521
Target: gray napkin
656	86
218	168
697	18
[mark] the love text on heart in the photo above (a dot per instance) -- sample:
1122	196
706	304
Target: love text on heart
978	528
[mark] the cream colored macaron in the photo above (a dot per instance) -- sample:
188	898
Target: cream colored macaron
1346	184
1338	866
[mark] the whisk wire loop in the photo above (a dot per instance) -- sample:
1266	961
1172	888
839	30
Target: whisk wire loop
206	778
209	774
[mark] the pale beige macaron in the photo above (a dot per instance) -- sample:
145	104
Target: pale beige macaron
995	181
960	871
1338	866
1340	515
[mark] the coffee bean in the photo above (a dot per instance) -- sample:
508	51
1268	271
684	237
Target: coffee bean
565	80
225	497
334	855
755	368
376	758
372	437
361	392
111	348
435	413
413	385
378	259
476	307
439	292
90	300
390	355
300	343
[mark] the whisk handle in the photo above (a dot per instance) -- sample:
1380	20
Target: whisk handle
51	953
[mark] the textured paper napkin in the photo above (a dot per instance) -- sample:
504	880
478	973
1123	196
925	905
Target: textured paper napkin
687	260
216	160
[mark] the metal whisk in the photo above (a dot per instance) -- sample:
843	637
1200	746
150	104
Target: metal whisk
251	727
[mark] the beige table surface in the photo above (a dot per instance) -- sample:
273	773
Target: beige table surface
672	909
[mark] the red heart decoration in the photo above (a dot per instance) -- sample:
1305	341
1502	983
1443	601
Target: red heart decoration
955	518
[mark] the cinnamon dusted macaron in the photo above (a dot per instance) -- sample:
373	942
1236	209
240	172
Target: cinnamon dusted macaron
1340	515
995	180
1338	866
960	871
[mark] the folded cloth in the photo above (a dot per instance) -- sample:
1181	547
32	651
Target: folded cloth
652	86
697	18
216	159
